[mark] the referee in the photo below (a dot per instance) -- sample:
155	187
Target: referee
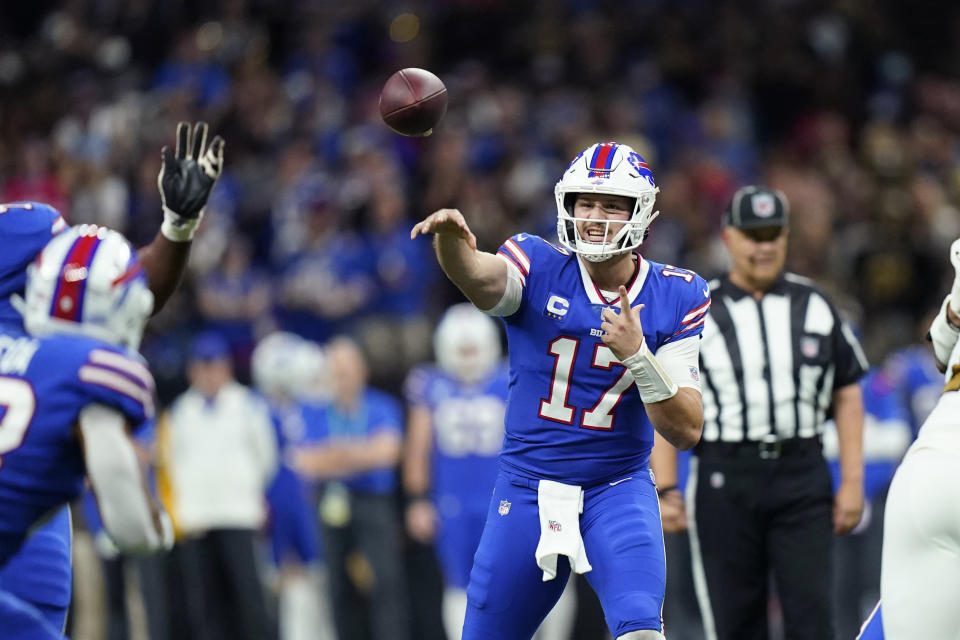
776	361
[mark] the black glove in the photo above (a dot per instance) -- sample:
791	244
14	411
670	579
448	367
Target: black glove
186	179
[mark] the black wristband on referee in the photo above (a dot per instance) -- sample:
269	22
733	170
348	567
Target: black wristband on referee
667	489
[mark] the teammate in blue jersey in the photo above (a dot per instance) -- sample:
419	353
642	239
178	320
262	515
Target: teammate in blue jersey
40	573
454	435
585	321
73	394
284	366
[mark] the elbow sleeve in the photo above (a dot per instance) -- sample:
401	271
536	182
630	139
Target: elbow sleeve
118	483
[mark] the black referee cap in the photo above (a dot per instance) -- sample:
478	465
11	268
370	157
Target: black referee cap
753	207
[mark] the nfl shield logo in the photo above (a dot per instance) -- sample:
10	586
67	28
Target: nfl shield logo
504	507
694	374
554	525
809	346
763	205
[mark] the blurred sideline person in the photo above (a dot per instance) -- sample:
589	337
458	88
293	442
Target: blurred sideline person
776	357
454	435
73	394
283	366
218	455
41	571
920	569
353	446
886	436
586	321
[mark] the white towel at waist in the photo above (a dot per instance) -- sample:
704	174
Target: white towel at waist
560	506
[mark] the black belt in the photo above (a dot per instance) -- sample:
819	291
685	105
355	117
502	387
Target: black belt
770	448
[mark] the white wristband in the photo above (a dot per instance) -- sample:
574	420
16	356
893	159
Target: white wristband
178	228
943	334
954	297
652	381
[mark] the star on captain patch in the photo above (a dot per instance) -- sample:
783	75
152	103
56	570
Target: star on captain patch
504	507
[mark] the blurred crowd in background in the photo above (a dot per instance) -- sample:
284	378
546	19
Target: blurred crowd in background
851	108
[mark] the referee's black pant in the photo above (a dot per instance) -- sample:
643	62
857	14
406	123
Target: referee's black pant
751	518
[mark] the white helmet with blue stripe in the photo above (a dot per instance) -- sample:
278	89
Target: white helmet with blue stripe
88	280
612	169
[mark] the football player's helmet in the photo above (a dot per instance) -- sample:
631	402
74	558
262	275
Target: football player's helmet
275	364
607	168
466	343
88	280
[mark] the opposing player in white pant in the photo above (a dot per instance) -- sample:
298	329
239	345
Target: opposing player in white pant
920	576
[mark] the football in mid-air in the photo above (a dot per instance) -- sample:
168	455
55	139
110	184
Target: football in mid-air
413	101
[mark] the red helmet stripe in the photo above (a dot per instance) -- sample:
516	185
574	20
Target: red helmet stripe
68	297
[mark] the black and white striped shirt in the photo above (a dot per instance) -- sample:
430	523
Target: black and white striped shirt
771	365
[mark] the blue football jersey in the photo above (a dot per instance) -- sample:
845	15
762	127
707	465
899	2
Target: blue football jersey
467	434
25	228
44	384
574	414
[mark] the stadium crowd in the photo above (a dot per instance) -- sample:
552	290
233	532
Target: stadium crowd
852	109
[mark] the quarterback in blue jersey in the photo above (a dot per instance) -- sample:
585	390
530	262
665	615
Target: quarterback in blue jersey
73	393
40	573
586	321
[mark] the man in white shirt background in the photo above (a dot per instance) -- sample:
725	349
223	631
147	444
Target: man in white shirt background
218	454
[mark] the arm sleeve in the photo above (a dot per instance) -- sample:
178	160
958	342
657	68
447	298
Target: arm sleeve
512	295
117	481
680	359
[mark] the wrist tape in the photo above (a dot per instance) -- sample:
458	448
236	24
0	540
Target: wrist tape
954	297
942	334
652	381
178	228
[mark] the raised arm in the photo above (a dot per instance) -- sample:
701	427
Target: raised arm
481	276
186	179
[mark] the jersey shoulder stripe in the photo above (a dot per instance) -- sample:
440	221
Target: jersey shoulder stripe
513	250
130	367
121	374
512	264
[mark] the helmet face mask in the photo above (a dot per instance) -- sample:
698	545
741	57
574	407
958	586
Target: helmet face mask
88	281
612	169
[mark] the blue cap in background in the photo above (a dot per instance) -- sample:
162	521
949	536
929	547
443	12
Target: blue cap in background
209	345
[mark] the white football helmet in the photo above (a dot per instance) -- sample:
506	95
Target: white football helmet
275	366
607	168
284	364
466	343
88	280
